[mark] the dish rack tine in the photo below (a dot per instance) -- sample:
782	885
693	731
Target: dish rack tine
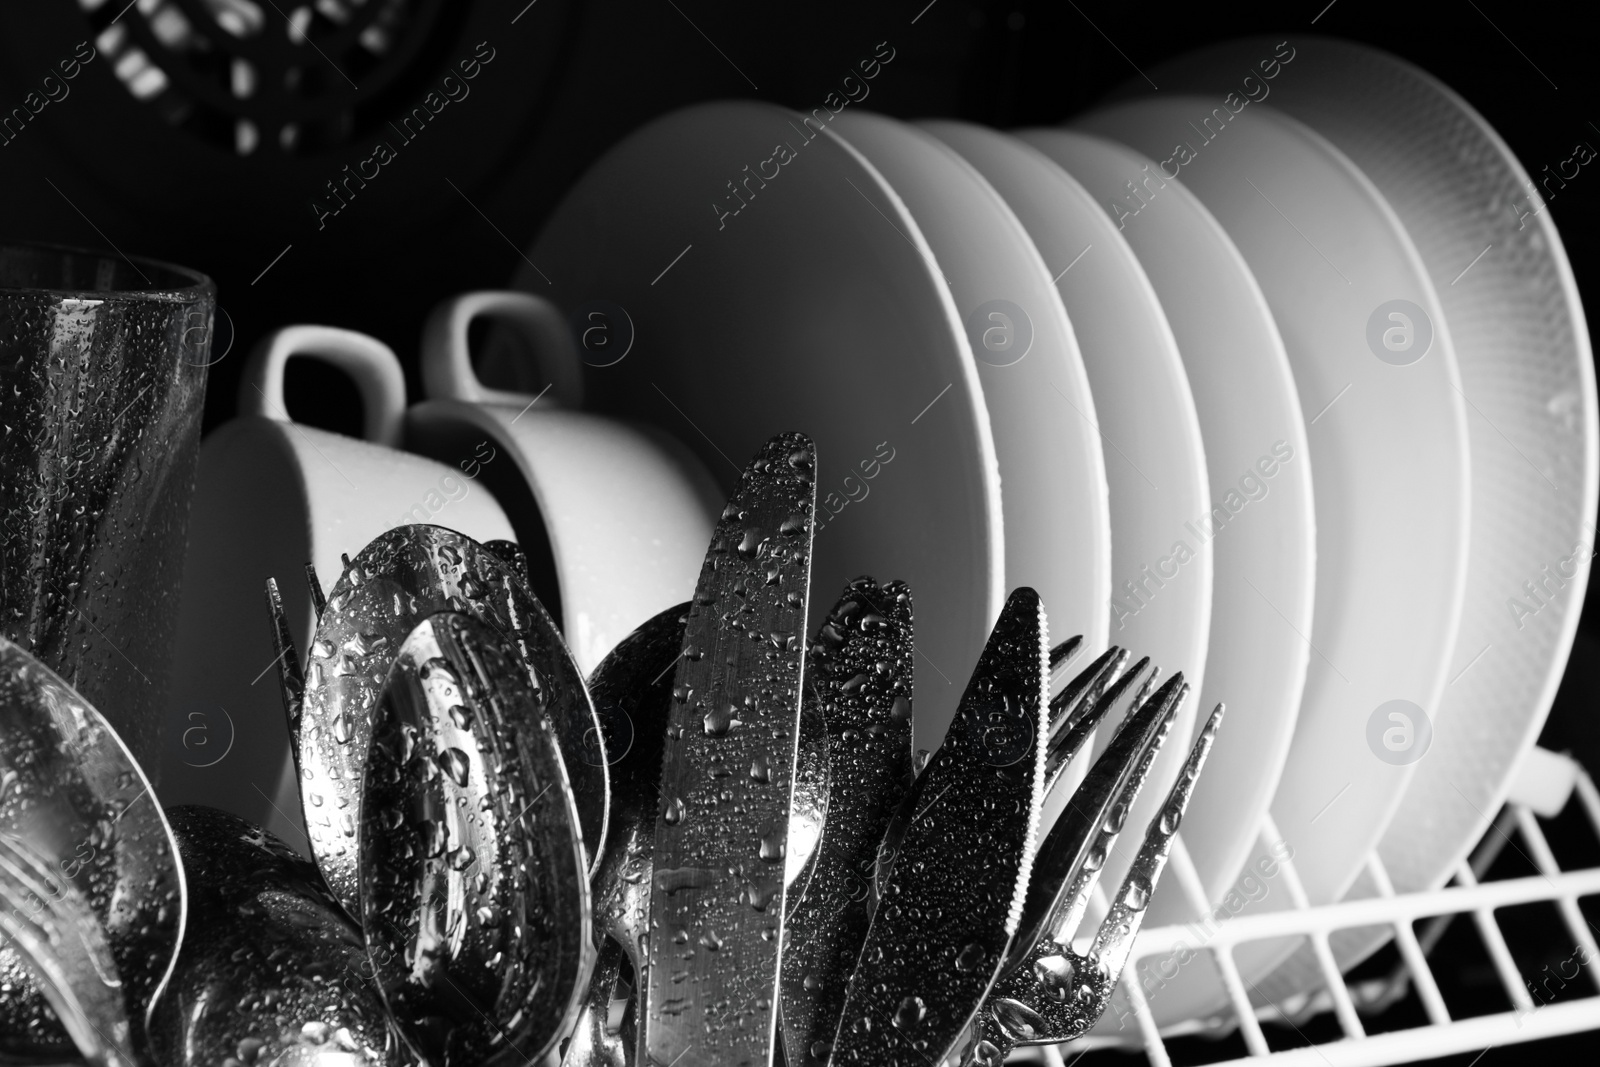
1531	1015
1414	959
1545	860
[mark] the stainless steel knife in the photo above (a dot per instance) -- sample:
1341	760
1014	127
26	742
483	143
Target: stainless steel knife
956	860
717	889
858	676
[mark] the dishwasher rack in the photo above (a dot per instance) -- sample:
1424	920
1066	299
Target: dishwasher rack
1547	783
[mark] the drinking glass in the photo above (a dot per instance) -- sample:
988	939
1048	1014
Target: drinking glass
102	381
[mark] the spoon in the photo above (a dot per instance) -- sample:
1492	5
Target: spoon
272	971
632	690
401	577
93	860
474	896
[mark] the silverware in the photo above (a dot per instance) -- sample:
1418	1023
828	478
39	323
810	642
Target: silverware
91	862
272	971
606	1033
956	858
474	892
858	679
717	889
632	692
62	995
398	579
1052	993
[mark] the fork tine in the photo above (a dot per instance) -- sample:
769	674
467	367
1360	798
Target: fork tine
291	683
1078	724
1115	938
1069	861
1062	994
1144	690
1086	688
1061	658
314	584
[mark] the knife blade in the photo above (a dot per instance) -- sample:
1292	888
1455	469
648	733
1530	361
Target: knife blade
858	673
717	891
956	860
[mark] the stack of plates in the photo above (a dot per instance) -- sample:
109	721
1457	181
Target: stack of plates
1280	378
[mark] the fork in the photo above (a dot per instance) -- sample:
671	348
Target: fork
1046	991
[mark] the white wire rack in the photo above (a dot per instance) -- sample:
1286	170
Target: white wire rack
1546	786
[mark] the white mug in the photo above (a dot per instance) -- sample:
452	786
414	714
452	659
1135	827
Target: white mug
270	496
615	518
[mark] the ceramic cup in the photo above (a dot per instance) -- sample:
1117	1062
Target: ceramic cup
615	518
270	496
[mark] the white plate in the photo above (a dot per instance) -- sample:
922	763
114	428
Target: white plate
1527	375
1155	461
814	308
1388	444
1264	537
1052	475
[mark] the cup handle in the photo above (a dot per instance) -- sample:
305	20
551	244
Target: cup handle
370	362
447	363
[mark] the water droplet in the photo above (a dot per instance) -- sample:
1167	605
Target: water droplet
794	524
750	544
1018	1020
900	711
970	957
1136	894
454	763
461	858
910	1013
1055	975
761	769
461	717
719	721
710	941
676	879
673	815
1170	819
439	668
760	895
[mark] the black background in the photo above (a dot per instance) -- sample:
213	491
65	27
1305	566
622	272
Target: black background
570	79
